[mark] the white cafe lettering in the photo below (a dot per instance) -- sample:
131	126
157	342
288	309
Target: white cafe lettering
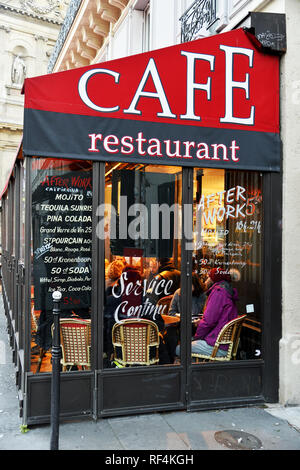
156	286
140	311
192	59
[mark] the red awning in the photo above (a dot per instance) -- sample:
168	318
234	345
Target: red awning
213	102
19	154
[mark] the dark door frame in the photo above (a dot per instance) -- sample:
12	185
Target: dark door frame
171	387
159	382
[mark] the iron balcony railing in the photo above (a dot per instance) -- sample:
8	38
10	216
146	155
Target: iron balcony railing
201	14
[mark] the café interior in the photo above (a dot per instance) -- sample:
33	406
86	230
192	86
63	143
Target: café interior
143	232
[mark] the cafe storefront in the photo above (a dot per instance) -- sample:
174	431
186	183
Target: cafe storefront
136	178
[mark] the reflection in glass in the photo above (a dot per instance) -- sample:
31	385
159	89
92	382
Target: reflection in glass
141	229
227	257
61	259
21	261
22	210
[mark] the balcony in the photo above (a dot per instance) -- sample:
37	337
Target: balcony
86	27
69	18
197	20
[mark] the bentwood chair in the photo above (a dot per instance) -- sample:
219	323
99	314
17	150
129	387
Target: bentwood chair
229	335
75	337
135	342
165	301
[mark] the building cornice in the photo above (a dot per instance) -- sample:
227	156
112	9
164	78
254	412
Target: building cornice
64	31
20	11
11	126
86	27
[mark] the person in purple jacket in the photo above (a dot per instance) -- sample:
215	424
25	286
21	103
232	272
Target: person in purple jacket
220	308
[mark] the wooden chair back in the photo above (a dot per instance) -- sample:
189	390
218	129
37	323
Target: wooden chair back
75	336
135	342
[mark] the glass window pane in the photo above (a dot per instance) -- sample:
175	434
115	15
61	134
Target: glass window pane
22	210
21	260
227	260
6	244
13	219
141	228
61	259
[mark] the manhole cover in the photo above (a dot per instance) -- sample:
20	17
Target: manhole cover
238	440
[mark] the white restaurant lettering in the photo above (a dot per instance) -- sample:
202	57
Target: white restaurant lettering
147	308
230	203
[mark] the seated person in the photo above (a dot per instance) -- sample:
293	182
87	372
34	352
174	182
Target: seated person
169	277
113	272
111	302
167	272
152	271
124	300
220	309
198	299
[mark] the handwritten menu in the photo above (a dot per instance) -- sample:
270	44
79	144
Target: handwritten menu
229	227
62	238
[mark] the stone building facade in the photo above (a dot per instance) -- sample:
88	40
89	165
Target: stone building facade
28	31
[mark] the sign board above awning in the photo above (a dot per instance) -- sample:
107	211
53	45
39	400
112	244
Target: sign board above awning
212	102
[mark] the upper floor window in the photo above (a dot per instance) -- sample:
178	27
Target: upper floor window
235	6
207	17
146	31
197	20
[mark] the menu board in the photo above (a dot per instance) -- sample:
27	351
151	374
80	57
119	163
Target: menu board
62	238
228	223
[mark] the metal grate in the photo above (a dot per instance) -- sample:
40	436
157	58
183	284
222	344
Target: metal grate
238	440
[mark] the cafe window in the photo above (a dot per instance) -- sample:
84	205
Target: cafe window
141	226
13	219
146	28
227	256
6	218
61	260
21	301
22	210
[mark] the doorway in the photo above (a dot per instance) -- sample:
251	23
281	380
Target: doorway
161	230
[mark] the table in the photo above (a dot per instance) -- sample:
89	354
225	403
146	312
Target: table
171	334
170	320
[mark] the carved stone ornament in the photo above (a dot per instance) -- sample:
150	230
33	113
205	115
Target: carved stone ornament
40	7
18	70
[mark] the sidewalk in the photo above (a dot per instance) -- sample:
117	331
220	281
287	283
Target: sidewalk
275	427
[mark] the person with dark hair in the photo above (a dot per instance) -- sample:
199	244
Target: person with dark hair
167	270
220	308
170	277
198	302
125	300
113	272
152	271
198	299
131	276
